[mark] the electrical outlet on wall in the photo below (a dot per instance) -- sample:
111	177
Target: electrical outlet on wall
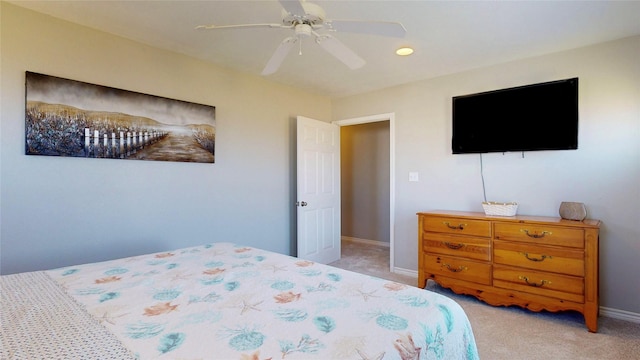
413	176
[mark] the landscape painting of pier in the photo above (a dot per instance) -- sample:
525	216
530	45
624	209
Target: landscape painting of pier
72	118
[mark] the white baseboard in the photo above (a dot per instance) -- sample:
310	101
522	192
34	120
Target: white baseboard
365	241
604	311
620	314
405	272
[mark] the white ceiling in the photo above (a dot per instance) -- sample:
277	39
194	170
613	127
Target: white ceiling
448	36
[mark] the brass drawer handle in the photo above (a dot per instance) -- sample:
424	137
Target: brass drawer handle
459	227
526	279
452	269
541	258
534	235
453	246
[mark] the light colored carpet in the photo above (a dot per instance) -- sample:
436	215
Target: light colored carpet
511	333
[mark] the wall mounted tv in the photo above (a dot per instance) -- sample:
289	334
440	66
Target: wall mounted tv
534	117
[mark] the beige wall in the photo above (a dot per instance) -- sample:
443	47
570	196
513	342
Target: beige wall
364	177
604	173
58	211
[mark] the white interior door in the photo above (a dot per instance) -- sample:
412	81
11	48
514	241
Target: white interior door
318	190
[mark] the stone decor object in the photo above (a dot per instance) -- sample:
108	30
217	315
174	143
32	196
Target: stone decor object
573	211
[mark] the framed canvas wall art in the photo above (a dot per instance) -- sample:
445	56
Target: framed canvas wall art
72	118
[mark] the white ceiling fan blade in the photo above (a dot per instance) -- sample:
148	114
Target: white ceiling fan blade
336	48
212	27
278	56
293	7
383	28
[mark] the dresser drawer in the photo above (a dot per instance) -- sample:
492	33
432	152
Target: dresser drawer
463	246
540	283
458	226
557	260
457	268
540	234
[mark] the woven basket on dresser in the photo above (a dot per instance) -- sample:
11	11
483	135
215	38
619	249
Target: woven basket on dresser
500	209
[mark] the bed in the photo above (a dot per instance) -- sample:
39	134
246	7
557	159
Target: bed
224	301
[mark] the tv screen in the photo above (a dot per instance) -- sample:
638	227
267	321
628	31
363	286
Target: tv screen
534	117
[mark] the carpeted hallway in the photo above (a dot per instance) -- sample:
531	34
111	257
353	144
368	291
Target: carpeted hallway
511	333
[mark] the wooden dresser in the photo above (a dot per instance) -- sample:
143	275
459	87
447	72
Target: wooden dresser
539	263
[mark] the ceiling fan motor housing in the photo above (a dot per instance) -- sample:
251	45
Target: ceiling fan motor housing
313	16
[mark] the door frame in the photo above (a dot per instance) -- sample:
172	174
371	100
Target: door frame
391	117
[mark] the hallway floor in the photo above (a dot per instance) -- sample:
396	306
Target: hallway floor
371	260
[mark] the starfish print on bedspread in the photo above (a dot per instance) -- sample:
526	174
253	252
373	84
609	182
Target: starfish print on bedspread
275	267
245	306
365	356
181	276
367	295
109	317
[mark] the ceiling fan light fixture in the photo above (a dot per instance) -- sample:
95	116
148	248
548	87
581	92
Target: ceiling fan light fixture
404	51
303	30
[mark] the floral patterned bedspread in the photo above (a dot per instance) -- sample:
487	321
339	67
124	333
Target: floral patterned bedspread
224	301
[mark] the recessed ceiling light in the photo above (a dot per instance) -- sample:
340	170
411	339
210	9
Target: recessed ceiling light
404	51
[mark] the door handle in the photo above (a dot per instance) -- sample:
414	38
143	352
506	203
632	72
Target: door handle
303	203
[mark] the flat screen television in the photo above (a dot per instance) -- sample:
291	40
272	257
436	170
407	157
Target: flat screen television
534	117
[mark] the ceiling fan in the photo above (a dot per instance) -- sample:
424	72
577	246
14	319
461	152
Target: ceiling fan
308	19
